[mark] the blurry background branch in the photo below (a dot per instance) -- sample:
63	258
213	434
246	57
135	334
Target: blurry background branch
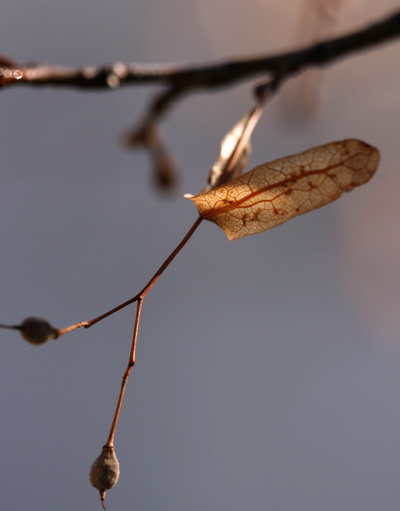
205	76
181	81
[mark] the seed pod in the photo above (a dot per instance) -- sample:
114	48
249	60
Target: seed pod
37	330
104	472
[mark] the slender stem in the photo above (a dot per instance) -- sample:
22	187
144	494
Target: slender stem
142	293
10	327
131	363
151	282
112	311
169	259
70	328
139	298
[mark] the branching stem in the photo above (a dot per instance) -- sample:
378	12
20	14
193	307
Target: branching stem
142	294
180	81
139	298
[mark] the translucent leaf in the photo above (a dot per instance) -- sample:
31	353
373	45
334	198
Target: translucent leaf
234	150
275	192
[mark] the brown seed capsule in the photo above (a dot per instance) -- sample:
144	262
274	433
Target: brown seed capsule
104	472
37	330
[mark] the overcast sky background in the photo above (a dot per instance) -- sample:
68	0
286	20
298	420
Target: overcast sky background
268	369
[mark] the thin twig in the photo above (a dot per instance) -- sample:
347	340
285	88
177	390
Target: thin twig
142	294
131	363
149	137
71	328
139	298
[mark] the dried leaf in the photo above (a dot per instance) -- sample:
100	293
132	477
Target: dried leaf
234	150
275	192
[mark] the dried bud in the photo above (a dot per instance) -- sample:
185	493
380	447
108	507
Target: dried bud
37	330
104	472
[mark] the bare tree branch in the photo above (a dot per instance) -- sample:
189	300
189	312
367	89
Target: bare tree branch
204	76
181	81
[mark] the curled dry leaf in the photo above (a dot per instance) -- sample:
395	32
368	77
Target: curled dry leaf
235	150
275	192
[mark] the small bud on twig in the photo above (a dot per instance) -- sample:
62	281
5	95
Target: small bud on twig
104	472
35	330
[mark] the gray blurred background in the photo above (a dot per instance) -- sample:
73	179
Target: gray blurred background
268	369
